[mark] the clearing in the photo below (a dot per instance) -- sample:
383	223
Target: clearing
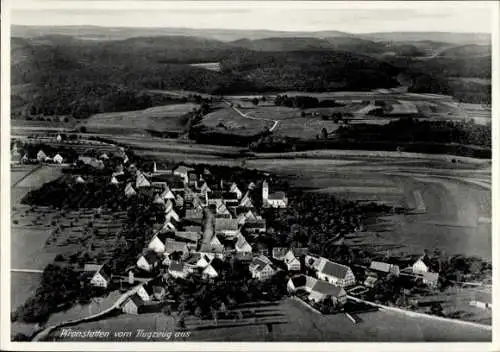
170	118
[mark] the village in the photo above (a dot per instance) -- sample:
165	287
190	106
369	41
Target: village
208	222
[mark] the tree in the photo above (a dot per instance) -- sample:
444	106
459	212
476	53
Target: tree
255	101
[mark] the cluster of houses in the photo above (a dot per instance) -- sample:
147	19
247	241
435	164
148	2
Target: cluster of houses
206	221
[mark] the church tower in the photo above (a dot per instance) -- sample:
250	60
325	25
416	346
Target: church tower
265	192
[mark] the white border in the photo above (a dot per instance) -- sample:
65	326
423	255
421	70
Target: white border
212	346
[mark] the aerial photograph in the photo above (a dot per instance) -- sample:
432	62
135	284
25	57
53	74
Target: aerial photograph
264	172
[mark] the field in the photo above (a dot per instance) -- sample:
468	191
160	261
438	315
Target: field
211	66
289	320
159	118
227	120
454	206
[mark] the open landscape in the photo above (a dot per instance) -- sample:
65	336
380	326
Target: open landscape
243	185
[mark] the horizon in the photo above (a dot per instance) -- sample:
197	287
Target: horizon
283	16
238	29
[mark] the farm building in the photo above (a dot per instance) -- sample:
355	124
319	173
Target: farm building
334	273
318	290
261	268
384	267
100	274
133	304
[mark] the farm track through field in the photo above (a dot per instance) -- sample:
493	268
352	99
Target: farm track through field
35	169
273	127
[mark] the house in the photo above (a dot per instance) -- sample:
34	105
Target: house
255	226
144	292
172	246
158	199
311	261
234	189
242	245
129	190
318	290
179	270
228	227
167	226
157	243
246	201
148	261
188	236
221	210
133	304
279	253
204	188
179	201
212	251
141	181
230	199
79	179
101	276
171	214
104	156
251	186
167	194
197	260
334	273
41	156
159	186
182	171
430	279
384	267
261	268
291	262
91	161
114	180
193	178
194	215
273	200
422	265
370	281
193	228
58	159
59	138
209	272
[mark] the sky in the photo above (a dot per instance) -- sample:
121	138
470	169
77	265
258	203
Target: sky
353	17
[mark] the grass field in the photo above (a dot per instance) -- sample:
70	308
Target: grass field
453	208
288	320
159	118
226	120
304	128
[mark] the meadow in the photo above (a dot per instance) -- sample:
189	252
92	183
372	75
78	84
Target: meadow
159	118
227	120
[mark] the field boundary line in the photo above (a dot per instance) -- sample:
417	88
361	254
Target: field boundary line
38	167
423	315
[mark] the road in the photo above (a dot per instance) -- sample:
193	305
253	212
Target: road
273	127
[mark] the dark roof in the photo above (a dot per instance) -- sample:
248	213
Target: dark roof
277	195
226	224
255	223
230	196
334	269
326	288
151	257
300	251
176	266
298	281
136	299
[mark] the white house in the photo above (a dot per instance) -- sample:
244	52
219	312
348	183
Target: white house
422	265
114	180
171	214
261	268
41	156
246	201
182	171
79	179
234	189
242	245
167	194
58	159
334	273
129	190
148	261
101	276
141	181
291	262
157	243
209	271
